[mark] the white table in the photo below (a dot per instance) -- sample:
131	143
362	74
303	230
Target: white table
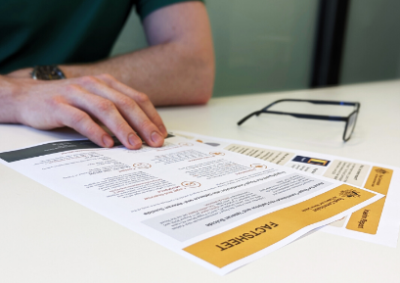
46	237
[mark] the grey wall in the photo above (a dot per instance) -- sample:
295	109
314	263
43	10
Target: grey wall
372	46
262	45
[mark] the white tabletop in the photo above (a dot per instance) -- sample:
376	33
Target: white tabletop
46	237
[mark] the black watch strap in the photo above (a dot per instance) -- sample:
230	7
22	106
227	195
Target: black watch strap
47	73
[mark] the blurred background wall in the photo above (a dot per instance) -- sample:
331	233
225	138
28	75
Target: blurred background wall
268	45
372	43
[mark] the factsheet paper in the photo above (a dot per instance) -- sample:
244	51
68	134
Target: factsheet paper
377	223
216	207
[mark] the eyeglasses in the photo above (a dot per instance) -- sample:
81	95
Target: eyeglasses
350	119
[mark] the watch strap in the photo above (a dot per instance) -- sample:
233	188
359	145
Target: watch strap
47	73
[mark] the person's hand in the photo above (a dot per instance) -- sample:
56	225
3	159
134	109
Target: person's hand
78	103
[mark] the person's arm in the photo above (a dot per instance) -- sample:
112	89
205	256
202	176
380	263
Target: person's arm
177	69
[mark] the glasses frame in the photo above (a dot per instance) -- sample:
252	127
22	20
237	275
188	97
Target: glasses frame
346	119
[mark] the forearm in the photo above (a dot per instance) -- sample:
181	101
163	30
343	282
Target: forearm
177	67
7	101
171	73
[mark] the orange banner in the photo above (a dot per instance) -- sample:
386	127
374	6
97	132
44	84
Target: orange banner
260	233
366	220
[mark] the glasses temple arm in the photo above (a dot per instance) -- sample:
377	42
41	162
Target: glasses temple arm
249	116
322	102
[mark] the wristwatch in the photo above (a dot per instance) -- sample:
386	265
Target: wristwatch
47	73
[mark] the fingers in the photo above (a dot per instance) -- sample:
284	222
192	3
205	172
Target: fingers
78	103
82	123
141	99
105	111
119	107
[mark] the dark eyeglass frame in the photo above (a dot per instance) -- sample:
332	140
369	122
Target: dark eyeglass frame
312	116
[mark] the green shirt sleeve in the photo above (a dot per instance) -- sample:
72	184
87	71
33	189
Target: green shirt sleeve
145	7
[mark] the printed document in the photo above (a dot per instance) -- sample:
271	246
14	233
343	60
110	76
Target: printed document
214	206
377	223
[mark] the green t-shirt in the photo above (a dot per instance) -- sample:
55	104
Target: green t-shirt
45	32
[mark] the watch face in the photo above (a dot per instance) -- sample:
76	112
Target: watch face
47	73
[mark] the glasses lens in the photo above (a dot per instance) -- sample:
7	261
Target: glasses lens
350	126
